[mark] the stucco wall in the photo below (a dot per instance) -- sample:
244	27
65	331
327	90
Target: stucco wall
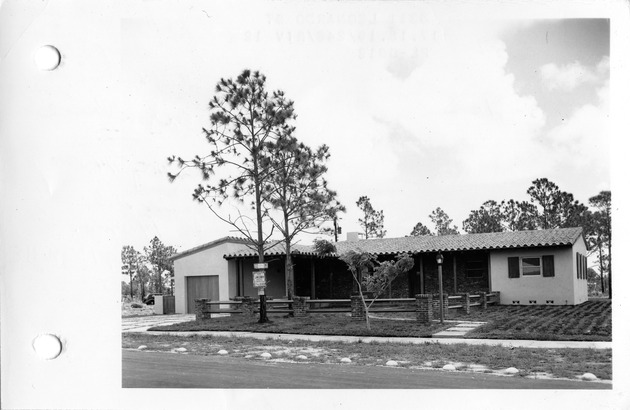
561	288
208	261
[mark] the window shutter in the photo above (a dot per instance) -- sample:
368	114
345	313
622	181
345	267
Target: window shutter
548	266
513	267
578	264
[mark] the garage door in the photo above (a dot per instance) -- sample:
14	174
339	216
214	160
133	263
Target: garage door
198	287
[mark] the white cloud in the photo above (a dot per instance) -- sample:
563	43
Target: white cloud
570	76
581	144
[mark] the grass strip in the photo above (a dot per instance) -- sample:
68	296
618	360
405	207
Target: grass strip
567	363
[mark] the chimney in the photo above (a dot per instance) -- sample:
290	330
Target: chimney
352	236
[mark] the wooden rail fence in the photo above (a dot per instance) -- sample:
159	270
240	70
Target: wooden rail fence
422	305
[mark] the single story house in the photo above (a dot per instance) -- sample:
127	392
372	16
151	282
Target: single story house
528	267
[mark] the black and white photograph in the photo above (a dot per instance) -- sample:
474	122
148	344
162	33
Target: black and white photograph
313	203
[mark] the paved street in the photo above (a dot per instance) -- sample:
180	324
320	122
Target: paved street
164	370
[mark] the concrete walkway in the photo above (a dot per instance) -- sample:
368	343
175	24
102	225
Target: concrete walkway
459	330
141	324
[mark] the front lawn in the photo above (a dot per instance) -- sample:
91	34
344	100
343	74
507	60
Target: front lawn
315	324
590	321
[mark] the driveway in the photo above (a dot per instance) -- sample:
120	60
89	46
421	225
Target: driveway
142	323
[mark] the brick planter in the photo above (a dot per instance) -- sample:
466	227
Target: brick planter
358	313
202	310
424	308
247	306
300	307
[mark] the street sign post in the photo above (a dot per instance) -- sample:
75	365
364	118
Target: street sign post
260	282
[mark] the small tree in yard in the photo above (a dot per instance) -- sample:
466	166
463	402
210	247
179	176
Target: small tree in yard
245	121
375	276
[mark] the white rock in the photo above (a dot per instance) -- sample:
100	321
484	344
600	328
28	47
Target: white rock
511	370
391	363
346	360
588	376
222	351
301	357
142	347
265	355
180	349
449	367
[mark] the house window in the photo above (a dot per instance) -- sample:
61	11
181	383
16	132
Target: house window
530	266
475	268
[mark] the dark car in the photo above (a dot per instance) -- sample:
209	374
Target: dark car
149	299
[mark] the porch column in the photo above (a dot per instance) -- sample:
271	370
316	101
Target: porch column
489	274
239	274
454	273
421	275
313	295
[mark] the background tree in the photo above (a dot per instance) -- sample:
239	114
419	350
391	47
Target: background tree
420	230
375	276
595	282
333	216
244	120
518	215
130	259
143	279
158	255
442	222
298	190
323	247
372	221
487	218
555	208
601	233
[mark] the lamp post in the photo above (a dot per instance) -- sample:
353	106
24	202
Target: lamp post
440	259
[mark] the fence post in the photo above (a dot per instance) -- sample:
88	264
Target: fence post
357	308
247	306
424	308
300	307
466	299
201	310
483	300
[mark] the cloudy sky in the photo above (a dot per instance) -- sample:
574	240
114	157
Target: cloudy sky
421	109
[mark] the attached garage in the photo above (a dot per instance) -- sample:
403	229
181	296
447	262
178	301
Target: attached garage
200	287
202	272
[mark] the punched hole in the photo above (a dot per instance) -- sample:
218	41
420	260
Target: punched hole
47	58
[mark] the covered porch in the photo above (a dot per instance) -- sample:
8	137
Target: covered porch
328	277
